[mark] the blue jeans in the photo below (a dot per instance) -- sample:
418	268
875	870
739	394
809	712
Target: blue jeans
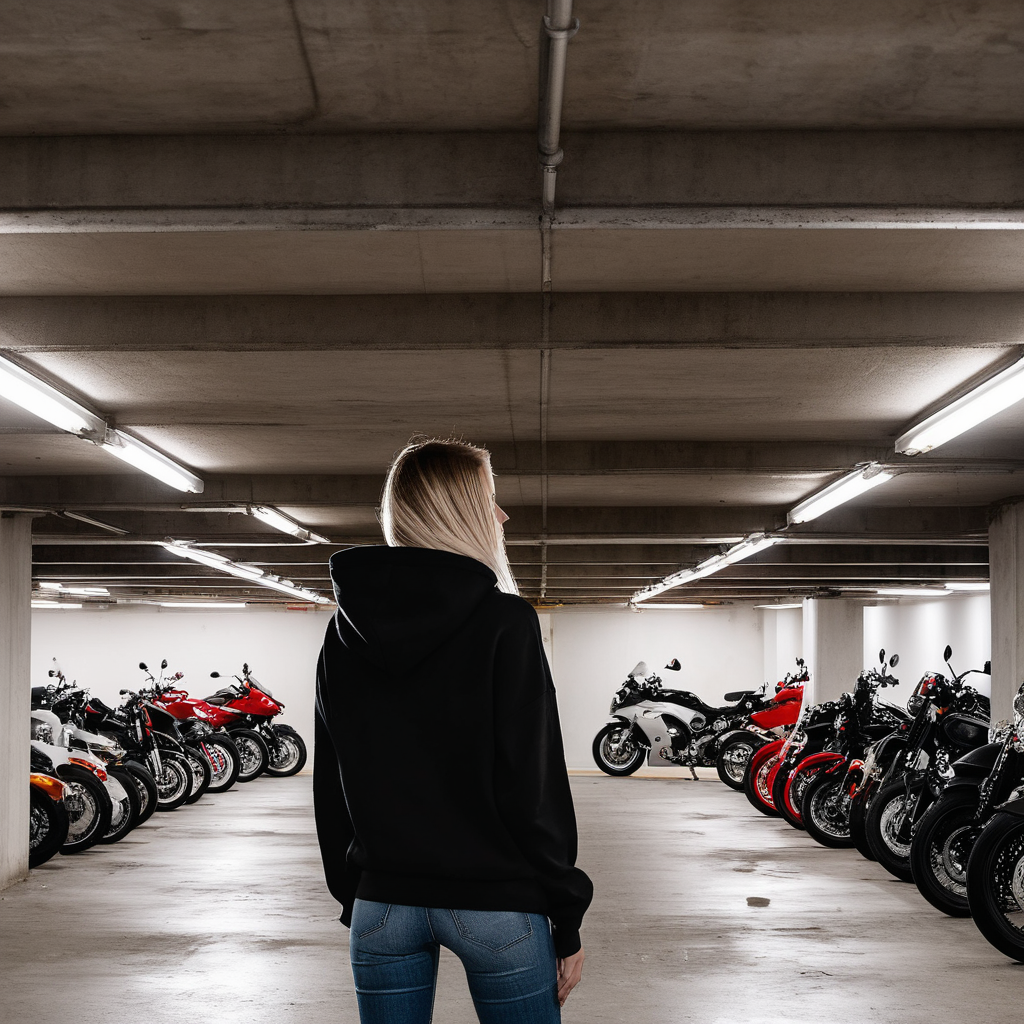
508	956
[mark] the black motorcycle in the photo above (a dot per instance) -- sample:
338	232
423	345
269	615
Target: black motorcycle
951	718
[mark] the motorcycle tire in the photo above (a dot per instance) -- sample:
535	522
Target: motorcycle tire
780	791
174	781
755	781
995	884
858	809
125	814
202	773
287	753
225	762
826	810
47	827
253	754
145	786
941	849
612	763
88	805
880	824
733	758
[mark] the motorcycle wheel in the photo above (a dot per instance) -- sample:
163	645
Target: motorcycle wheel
201	773
287	754
145	786
125	815
224	760
88	805
253	755
781	788
941	849
47	827
174	781
826	810
881	824
755	781
858	809
622	761
733	758
995	884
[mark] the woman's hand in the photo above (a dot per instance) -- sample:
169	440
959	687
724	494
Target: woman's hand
570	970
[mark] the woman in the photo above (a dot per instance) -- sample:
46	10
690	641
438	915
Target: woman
442	802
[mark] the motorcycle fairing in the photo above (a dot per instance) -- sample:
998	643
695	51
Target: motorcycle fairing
975	766
1014	807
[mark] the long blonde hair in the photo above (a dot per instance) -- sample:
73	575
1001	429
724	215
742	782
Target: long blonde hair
436	496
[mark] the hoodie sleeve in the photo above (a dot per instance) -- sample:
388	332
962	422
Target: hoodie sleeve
333	824
531	783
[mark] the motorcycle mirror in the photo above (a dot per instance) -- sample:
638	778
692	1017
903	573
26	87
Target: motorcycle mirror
123	692
163	664
800	662
51	673
947	653
881	656
215	675
894	661
673	665
143	666
988	668
245	666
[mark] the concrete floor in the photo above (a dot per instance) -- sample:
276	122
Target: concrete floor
218	912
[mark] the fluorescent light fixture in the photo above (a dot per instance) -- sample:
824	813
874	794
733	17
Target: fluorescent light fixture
862	479
140	455
995	395
245	572
279	521
49	585
77	591
748	546
55	604
45	401
677	607
203	604
777	607
968	588
912	592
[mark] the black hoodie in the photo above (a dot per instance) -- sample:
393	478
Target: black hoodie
439	778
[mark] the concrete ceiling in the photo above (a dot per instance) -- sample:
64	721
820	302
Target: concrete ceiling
275	241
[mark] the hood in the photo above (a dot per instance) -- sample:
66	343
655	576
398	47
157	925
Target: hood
396	606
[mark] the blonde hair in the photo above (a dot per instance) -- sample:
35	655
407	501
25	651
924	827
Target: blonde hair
436	496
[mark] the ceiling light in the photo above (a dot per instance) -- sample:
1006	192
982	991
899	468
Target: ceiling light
995	395
140	455
203	604
862	479
777	607
968	588
245	572
748	546
55	604
43	400
279	521
675	606
912	592
78	591
49	585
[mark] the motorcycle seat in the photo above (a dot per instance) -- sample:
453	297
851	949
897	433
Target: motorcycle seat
221	697
738	694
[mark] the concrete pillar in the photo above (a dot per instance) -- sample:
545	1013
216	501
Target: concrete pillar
1006	569
15	627
833	645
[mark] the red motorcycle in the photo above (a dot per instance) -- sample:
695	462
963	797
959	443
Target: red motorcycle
250	708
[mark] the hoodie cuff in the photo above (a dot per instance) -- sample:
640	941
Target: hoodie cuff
567	941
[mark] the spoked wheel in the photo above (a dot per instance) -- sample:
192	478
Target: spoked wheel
253	755
616	752
225	762
287	753
734	757
995	884
884	823
145	786
125	815
826	809
941	848
757	780
88	805
858	811
201	773
47	827
173	782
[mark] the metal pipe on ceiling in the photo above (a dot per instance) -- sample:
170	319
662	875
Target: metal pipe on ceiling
558	26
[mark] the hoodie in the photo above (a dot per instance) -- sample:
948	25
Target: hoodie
439	778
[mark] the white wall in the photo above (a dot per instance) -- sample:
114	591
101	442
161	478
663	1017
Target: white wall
102	650
783	641
918	630
595	648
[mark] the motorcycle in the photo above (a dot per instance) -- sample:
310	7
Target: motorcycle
951	718
668	727
48	821
250	707
995	870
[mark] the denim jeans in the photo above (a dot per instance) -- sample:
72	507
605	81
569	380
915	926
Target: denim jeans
508	956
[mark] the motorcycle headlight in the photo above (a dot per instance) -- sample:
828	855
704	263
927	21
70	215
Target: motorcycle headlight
42	732
1018	704
915	703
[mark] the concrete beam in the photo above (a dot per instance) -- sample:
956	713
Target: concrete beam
1006	546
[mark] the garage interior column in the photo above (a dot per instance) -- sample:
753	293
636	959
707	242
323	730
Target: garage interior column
833	646
1006	568
15	631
